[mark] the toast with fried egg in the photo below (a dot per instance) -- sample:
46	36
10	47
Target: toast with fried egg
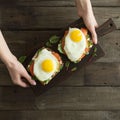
45	65
75	44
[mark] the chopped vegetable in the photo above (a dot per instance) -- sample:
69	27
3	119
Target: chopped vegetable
67	64
48	44
34	78
95	55
73	69
60	48
46	82
31	68
95	49
88	37
61	67
54	39
22	59
94	52
39	50
84	30
90	43
57	56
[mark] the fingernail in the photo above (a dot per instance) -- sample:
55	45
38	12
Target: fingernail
95	42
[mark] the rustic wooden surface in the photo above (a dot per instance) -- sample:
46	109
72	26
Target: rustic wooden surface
93	93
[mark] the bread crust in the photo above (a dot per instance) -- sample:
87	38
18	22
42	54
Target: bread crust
87	49
32	63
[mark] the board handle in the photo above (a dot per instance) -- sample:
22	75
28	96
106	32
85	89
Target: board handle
105	28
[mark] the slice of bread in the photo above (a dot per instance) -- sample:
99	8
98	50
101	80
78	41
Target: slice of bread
30	67
87	49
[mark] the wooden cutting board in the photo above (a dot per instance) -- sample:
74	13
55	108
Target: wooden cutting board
105	28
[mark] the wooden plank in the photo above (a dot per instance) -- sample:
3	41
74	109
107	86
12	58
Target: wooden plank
58	17
61	98
77	79
97	74
102	74
60	115
57	3
110	43
20	42
4	76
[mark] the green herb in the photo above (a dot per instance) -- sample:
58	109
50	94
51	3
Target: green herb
22	59
54	39
61	67
39	50
48	44
76	61
87	36
31	62
94	55
46	81
34	78
95	49
90	43
67	64
94	52
60	48
73	69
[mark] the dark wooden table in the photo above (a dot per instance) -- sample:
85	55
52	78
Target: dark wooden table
92	93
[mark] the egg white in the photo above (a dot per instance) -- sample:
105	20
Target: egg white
74	50
38	71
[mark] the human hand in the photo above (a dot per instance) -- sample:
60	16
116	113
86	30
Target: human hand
91	24
18	74
17	71
85	11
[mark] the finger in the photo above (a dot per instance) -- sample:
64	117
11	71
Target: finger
22	84
93	33
95	23
19	82
28	78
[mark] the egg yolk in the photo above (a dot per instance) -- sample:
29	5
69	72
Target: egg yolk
47	65
76	36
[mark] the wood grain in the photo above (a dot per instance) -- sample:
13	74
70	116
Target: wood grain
102	74
60	115
91	94
75	80
37	17
111	45
57	3
61	98
21	41
97	74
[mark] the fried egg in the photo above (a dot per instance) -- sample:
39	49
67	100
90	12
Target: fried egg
75	44
46	65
